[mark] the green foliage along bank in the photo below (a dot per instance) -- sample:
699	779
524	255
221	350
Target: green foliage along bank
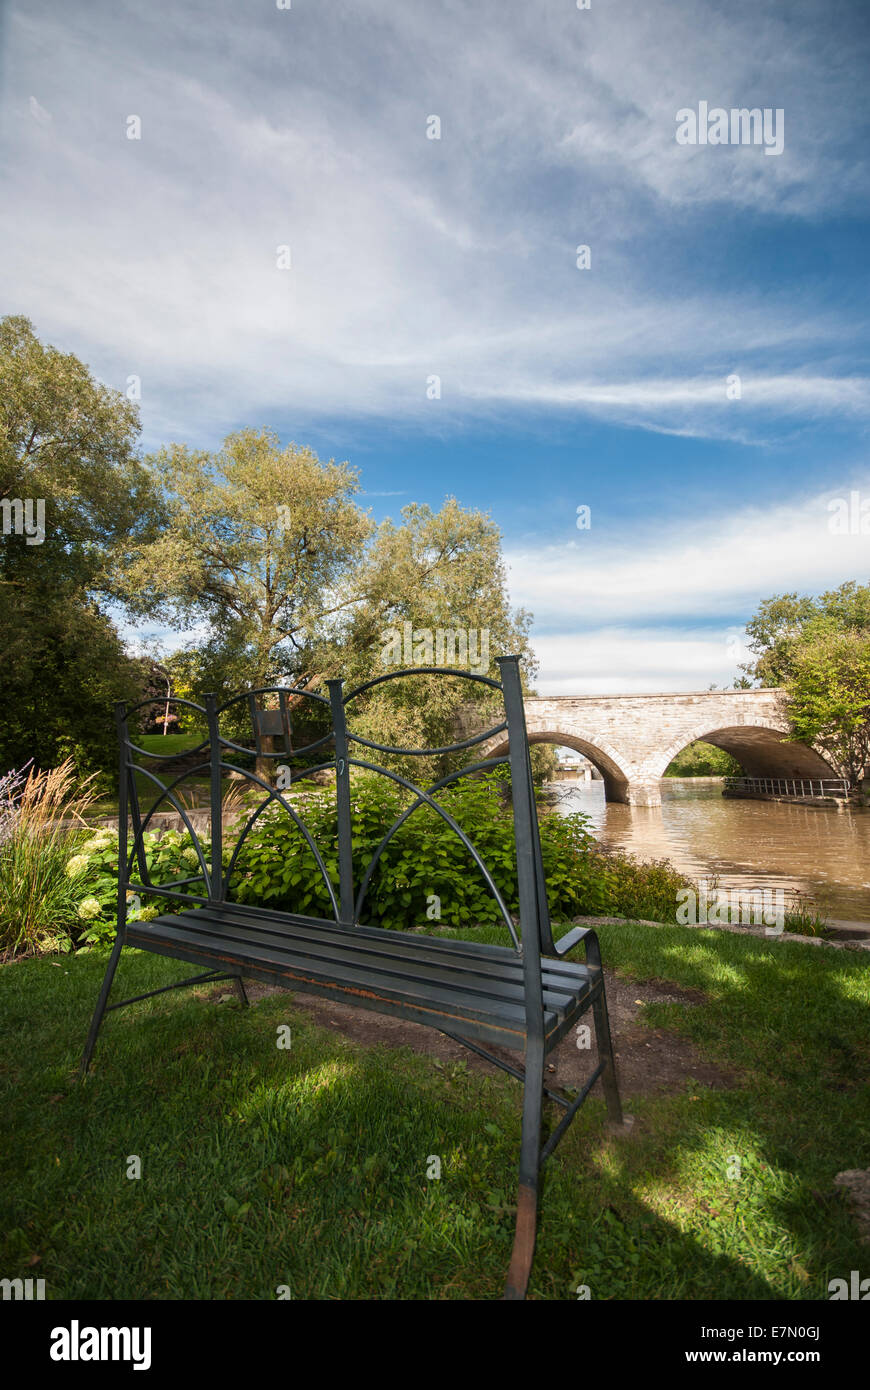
425	879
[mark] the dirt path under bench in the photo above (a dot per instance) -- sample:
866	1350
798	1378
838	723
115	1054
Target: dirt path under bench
648	1060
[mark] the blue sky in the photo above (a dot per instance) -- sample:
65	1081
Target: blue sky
456	257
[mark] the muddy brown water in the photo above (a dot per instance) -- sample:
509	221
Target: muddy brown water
814	850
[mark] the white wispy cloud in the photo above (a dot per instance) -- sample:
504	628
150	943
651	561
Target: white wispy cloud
413	257
608	661
655	607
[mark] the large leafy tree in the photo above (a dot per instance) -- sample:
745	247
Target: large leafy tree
783	623
829	698
69	443
259	547
818	650
63	668
266	549
436	572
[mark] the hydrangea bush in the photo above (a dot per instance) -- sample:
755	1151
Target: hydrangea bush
93	869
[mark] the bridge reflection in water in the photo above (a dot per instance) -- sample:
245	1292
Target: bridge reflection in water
745	843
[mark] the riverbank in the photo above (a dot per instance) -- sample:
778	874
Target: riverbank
842	935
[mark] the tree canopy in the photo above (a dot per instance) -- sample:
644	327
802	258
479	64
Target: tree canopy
829	698
265	550
818	650
71	441
785	621
67	443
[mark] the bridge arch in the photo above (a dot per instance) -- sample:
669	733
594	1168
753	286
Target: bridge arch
762	748
610	764
633	738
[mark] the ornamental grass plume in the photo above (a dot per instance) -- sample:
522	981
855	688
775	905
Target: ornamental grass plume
11	784
41	815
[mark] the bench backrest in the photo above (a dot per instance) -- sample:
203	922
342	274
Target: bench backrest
341	749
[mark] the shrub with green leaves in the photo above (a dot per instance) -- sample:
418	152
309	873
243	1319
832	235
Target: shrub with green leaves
93	873
425	860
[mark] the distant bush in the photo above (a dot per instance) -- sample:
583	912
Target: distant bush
633	888
703	760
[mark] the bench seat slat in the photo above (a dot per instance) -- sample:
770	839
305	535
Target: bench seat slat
281	921
380	946
480	1005
438	975
294	956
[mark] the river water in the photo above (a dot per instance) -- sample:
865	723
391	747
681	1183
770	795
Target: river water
745	844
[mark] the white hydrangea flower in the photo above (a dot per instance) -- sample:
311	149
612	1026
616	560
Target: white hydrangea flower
77	865
89	908
99	843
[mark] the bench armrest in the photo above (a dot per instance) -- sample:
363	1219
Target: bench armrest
574	937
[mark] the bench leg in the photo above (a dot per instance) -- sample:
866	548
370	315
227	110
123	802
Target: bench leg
101	1004
530	1167
240	990
605	1055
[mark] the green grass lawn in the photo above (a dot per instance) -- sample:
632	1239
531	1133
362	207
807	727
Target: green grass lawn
168	743
307	1168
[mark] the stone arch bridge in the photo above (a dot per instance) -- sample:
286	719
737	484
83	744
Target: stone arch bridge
632	739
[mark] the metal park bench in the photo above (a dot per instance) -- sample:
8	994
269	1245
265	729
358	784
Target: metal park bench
525	997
